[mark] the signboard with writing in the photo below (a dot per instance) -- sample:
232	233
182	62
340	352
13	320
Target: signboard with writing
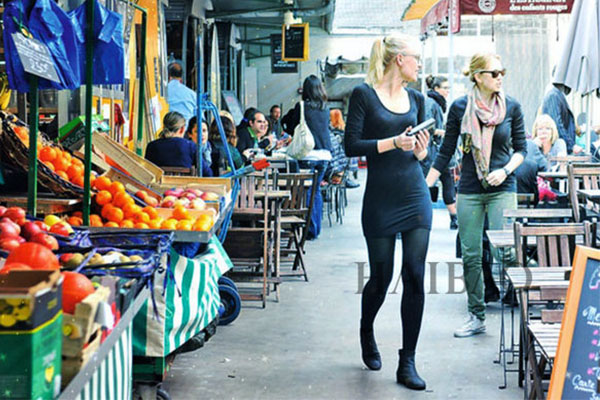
576	369
35	57
278	66
233	105
515	6
295	42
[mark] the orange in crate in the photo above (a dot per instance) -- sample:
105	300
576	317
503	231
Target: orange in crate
127	223
151	211
61	164
74	171
121	199
131	210
141	225
116	187
155	223
141	217
180	213
102	183
47	153
50	165
170	224
78	180
103	197
67	156
115	214
184	225
63	175
105	209
203	223
95	220
75	221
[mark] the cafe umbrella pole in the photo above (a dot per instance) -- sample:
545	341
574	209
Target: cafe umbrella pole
89	76
33	134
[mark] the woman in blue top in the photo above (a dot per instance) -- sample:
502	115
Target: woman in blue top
381	113
171	149
494	145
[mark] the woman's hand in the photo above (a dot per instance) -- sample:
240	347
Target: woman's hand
439	132
495	178
420	150
405	142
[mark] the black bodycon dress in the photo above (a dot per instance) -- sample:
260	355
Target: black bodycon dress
396	196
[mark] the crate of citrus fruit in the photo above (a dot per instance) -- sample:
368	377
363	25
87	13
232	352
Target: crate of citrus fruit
58	170
115	209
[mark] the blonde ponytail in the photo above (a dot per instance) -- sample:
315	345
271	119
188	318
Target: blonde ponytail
376	62
383	53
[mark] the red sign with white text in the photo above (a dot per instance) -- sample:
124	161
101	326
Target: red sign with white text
478	7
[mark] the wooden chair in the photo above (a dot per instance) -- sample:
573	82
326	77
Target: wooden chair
251	248
555	243
564	161
248	207
583	176
296	214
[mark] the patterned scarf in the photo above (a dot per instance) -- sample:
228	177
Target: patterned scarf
481	139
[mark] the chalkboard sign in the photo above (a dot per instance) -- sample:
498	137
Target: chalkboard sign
278	66
295	42
576	370
35	57
233	105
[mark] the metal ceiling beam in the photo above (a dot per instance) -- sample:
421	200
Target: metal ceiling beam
274	12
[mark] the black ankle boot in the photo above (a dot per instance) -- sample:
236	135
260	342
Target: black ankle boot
407	373
370	353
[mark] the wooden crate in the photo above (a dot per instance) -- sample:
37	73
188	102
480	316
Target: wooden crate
138	167
78	328
72	365
169	182
131	185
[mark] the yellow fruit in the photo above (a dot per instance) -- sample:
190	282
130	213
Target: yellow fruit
51	219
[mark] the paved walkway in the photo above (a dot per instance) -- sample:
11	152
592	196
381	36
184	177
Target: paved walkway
306	346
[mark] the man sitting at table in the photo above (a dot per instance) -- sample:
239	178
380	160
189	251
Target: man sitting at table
254	135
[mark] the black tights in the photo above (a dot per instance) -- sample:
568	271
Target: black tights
381	261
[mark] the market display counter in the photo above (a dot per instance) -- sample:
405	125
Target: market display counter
108	374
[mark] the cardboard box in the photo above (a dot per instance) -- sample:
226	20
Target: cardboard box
30	334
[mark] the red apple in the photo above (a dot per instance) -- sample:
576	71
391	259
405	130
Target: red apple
15	213
46	240
9	243
8	228
42	226
2	210
61	228
151	201
30	229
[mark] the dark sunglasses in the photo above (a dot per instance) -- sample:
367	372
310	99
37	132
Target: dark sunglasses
494	73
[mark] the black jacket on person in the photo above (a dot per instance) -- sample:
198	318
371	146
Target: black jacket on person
246	141
317	120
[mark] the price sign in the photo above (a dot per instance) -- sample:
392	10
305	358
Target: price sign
295	42
278	66
35	57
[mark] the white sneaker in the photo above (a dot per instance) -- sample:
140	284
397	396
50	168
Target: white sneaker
471	327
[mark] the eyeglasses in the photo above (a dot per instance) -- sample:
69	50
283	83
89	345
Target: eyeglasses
445	87
494	73
415	56
259	121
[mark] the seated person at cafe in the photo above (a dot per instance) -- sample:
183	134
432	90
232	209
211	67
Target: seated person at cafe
219	155
171	149
192	134
545	137
254	136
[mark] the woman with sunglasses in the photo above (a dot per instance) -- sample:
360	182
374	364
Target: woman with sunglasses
493	137
396	200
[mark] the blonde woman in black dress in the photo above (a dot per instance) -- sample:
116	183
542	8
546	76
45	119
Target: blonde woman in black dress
382	111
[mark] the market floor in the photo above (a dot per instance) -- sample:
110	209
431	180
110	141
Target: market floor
306	346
